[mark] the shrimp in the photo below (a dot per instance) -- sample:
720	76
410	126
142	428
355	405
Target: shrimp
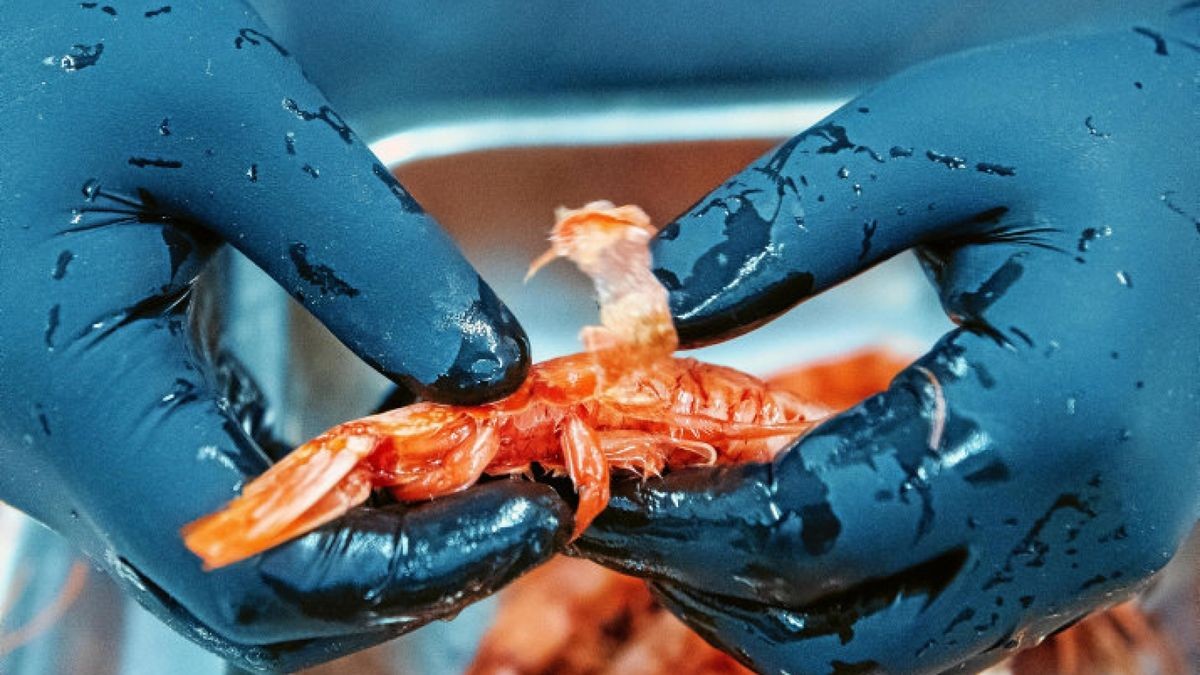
624	403
590	621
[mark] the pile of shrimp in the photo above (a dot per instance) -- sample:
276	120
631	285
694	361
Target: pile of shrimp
624	403
593	621
590	621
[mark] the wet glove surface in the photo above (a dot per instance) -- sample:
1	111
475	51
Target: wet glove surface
136	141
1042	459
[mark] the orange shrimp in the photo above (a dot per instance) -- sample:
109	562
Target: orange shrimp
843	380
625	403
590	621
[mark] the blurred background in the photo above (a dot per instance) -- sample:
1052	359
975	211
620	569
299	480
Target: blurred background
493	114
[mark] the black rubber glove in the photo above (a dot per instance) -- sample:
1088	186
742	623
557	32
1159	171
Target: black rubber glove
136	140
1042	460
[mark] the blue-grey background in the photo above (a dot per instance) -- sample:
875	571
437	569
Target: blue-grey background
389	63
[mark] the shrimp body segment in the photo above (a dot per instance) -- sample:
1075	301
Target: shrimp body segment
626	404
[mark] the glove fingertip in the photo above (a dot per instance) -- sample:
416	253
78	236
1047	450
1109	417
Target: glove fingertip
483	372
492	358
711	300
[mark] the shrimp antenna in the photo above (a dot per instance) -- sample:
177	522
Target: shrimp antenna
541	261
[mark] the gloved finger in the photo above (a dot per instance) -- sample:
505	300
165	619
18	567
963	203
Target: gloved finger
169	452
374	566
379	573
885	488
372	266
822	638
729	623
723	622
235	140
880	175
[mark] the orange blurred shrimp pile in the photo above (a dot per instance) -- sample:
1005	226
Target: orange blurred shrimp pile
625	403
590	621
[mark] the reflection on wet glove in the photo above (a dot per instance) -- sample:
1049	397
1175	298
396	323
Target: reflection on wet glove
134	144
1042	460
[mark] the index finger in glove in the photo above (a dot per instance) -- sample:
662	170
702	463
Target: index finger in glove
226	135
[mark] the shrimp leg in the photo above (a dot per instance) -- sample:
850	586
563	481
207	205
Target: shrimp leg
588	469
647	453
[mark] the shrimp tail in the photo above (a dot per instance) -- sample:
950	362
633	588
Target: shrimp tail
320	481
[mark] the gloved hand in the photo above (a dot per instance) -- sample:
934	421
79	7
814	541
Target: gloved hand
135	142
1042	459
